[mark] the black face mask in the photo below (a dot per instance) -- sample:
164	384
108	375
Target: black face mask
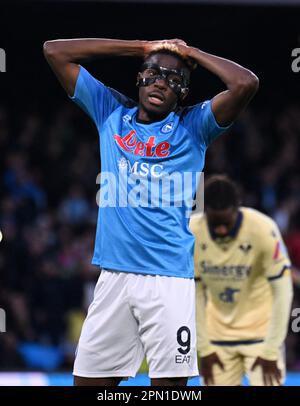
177	79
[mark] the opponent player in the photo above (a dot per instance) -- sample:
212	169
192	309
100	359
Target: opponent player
145	250
243	269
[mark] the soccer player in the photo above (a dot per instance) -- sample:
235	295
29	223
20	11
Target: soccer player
244	290
145	250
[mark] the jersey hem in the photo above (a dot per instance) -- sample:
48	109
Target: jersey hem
128	269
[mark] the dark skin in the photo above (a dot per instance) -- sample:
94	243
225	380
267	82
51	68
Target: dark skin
241	83
80	381
206	367
222	222
64	57
271	372
150	111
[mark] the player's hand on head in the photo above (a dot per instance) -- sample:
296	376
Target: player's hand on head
150	46
271	372
177	41
206	367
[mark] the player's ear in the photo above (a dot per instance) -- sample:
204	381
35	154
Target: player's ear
138	79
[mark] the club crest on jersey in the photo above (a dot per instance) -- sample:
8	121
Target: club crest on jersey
149	148
245	247
227	295
167	128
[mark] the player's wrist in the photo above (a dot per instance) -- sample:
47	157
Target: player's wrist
117	47
139	47
193	53
270	354
206	351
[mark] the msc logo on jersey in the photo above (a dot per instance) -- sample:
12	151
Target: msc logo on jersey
245	247
140	168
122	164
167	128
227	295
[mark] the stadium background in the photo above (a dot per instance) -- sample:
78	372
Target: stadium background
50	158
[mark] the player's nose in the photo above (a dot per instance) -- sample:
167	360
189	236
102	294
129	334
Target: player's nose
161	82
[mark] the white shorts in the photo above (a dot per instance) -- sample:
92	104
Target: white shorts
135	315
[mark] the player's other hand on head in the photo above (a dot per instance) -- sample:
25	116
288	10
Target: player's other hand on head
177	41
150	46
271	372
206	367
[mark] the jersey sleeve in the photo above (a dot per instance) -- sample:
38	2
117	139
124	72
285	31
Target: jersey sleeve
194	227
204	346
201	121
282	292
97	100
275	258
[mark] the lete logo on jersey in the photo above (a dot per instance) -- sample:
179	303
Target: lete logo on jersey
149	148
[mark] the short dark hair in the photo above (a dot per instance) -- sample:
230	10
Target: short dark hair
189	63
221	193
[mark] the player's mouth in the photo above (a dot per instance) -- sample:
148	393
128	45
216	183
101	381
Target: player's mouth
156	98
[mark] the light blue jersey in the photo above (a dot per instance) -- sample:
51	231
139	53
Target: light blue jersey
148	181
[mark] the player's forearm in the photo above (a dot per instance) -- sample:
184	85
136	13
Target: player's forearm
232	74
79	50
282	298
204	346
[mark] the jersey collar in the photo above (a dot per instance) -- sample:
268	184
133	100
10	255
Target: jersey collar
233	232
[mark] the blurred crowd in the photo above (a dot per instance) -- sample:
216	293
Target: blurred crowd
49	165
